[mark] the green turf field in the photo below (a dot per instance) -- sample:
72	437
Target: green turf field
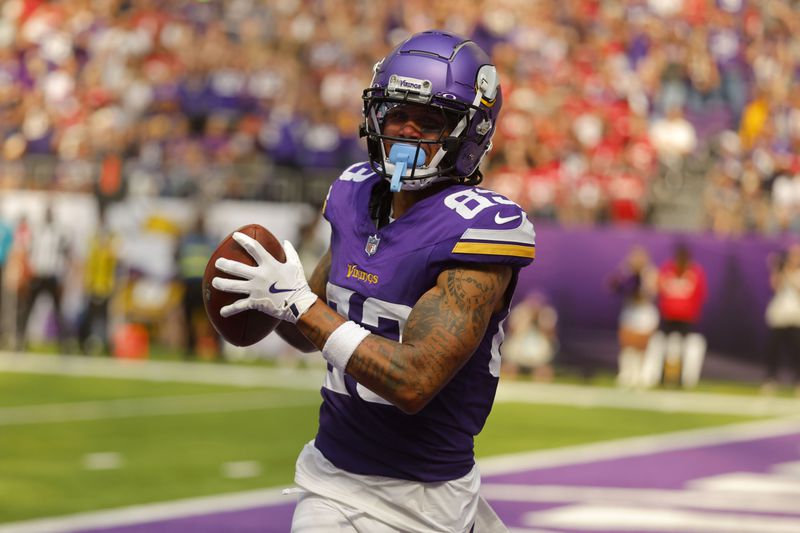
171	440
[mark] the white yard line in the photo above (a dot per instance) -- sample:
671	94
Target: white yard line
138	514
157	406
649	400
183	372
621	518
614	449
690	499
573	455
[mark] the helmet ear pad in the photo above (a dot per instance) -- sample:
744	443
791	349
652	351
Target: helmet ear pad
469	154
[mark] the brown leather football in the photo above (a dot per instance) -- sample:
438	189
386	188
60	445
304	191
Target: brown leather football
248	327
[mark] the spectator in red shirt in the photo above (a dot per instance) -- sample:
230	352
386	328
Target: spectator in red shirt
681	294
682	291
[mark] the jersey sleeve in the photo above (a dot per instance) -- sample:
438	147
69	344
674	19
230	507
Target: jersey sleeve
498	234
327	209
342	193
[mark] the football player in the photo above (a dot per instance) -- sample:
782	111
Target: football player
408	303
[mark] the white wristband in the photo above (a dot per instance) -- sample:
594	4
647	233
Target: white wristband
342	343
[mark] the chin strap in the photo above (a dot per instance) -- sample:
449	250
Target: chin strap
402	155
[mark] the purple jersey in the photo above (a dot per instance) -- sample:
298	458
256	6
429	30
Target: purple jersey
376	278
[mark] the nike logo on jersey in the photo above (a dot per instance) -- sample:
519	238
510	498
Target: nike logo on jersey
275	290
503	220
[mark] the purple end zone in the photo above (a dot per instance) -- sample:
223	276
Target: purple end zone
670	470
665	470
662	470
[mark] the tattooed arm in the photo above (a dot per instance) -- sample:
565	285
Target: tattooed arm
443	330
319	280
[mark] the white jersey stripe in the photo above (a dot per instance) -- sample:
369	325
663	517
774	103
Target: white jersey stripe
334	380
497	341
522	234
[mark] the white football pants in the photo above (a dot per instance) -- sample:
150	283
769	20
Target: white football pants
315	514
688	351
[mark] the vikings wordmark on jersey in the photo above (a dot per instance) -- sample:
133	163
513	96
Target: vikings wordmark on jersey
359	431
354	272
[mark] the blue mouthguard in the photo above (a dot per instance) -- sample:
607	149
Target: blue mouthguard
402	155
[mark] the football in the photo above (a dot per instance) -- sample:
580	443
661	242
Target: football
247	327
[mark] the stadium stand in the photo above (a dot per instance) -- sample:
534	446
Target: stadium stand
681	113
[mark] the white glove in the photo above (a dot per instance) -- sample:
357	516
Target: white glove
274	288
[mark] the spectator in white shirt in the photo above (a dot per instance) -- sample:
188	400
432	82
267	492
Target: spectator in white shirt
673	136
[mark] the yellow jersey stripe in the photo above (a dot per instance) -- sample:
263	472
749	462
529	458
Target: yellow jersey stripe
483	248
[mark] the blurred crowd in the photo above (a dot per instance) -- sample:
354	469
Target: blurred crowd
123	282
602	99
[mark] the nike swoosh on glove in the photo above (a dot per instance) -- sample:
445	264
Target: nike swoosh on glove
274	288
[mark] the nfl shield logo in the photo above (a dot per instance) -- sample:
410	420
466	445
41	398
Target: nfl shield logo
372	244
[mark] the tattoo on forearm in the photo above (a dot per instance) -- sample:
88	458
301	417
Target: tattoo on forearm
444	328
319	331
381	365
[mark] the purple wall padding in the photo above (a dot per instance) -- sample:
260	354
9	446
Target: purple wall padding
573	265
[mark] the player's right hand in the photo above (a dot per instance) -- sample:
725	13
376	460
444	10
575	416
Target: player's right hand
277	289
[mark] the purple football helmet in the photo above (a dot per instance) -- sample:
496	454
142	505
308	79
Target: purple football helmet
453	79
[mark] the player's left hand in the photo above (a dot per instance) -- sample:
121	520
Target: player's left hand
274	288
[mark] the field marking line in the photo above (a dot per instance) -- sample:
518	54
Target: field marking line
163	371
621	518
151	512
693	499
633	446
188	404
102	461
312	379
650	400
489	467
753	483
241	469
